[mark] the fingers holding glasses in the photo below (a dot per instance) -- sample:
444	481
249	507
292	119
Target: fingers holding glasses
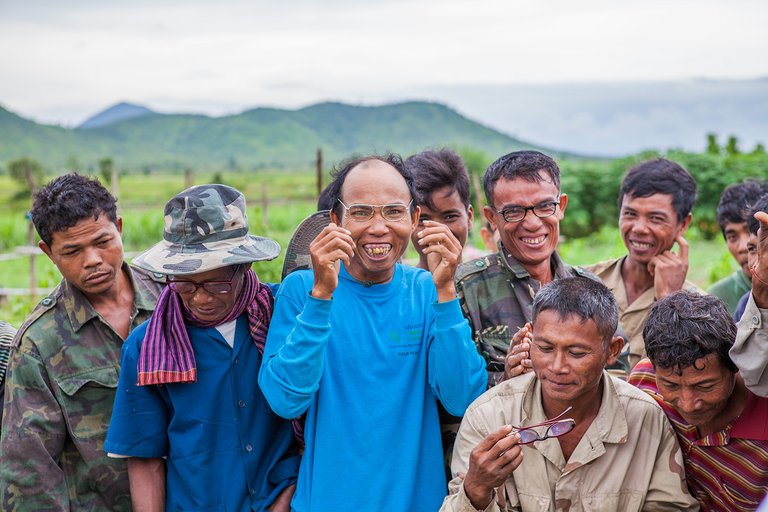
333	245
491	463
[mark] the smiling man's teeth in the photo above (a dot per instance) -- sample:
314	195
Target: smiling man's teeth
377	250
536	240
641	245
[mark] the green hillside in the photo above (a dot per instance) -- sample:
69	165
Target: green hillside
255	139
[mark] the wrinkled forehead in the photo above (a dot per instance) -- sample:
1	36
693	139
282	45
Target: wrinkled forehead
375	182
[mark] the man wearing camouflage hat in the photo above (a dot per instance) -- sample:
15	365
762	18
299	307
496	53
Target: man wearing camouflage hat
189	412
65	360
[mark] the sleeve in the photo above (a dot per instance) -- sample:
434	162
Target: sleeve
750	351
294	355
139	424
467	438
31	444
456	371
667	489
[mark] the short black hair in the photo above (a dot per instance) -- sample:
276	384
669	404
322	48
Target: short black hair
661	176
584	297
760	205
435	169
527	165
686	326
736	200
339	176
324	201
67	200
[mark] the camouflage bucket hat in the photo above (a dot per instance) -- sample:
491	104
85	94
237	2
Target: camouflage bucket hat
206	227
297	255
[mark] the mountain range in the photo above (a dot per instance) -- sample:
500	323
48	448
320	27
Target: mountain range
136	137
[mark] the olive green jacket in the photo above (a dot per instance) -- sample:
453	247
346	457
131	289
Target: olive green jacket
61	383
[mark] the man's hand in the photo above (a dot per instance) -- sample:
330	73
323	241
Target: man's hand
669	269
332	245
759	270
490	465
283	501
443	253
518	359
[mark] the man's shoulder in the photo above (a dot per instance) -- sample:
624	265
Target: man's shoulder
48	316
479	268
505	395
603	267
632	394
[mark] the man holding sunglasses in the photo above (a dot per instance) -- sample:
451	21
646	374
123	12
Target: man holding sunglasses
366	347
525	206
606	446
189	413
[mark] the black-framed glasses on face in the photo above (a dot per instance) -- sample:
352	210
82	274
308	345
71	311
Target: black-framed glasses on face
518	213
555	427
213	287
365	212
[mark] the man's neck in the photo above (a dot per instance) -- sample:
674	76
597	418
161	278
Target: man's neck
541	272
583	412
732	410
636	278
116	304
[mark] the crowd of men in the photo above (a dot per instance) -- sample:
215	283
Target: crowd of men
503	381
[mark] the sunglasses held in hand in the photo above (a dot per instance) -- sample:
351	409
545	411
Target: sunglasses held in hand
555	427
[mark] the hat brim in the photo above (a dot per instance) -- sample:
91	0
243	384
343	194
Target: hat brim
178	260
297	254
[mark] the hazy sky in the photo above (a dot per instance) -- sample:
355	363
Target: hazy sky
65	60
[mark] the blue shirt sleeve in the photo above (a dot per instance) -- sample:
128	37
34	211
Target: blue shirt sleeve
456	371
139	417
294	355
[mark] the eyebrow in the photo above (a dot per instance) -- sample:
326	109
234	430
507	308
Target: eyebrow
77	246
547	200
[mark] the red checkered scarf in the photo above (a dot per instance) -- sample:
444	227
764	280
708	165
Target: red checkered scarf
166	355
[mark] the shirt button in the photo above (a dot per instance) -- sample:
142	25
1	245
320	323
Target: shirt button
241	403
248	447
235	361
755	320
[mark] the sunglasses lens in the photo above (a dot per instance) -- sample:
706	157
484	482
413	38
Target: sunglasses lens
528	436
560	428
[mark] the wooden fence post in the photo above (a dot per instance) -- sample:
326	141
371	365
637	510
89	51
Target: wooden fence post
187	178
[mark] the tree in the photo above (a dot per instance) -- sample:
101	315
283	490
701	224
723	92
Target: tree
25	169
712	146
732	148
105	169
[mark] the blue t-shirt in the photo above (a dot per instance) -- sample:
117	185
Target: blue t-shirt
368	368
224	445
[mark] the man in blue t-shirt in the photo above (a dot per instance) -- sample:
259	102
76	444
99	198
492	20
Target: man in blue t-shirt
189	413
365	347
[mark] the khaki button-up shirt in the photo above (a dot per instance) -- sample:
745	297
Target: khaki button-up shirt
631	316
627	460
750	351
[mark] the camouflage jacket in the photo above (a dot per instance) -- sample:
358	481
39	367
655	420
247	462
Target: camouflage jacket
7	333
61	383
496	294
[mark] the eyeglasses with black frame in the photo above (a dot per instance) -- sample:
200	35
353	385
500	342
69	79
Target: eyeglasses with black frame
555	427
365	212
213	287
518	213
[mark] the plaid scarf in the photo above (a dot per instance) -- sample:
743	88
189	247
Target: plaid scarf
166	355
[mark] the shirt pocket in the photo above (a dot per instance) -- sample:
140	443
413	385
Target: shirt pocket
627	501
741	495
87	399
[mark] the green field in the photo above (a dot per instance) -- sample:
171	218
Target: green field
292	197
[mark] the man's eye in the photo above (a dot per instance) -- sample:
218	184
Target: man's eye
450	217
393	211
544	348
359	213
577	354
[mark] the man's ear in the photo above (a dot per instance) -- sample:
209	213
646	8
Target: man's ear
335	218
415	218
614	349
563	202
490	216
684	225
46	249
470	217
119	224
